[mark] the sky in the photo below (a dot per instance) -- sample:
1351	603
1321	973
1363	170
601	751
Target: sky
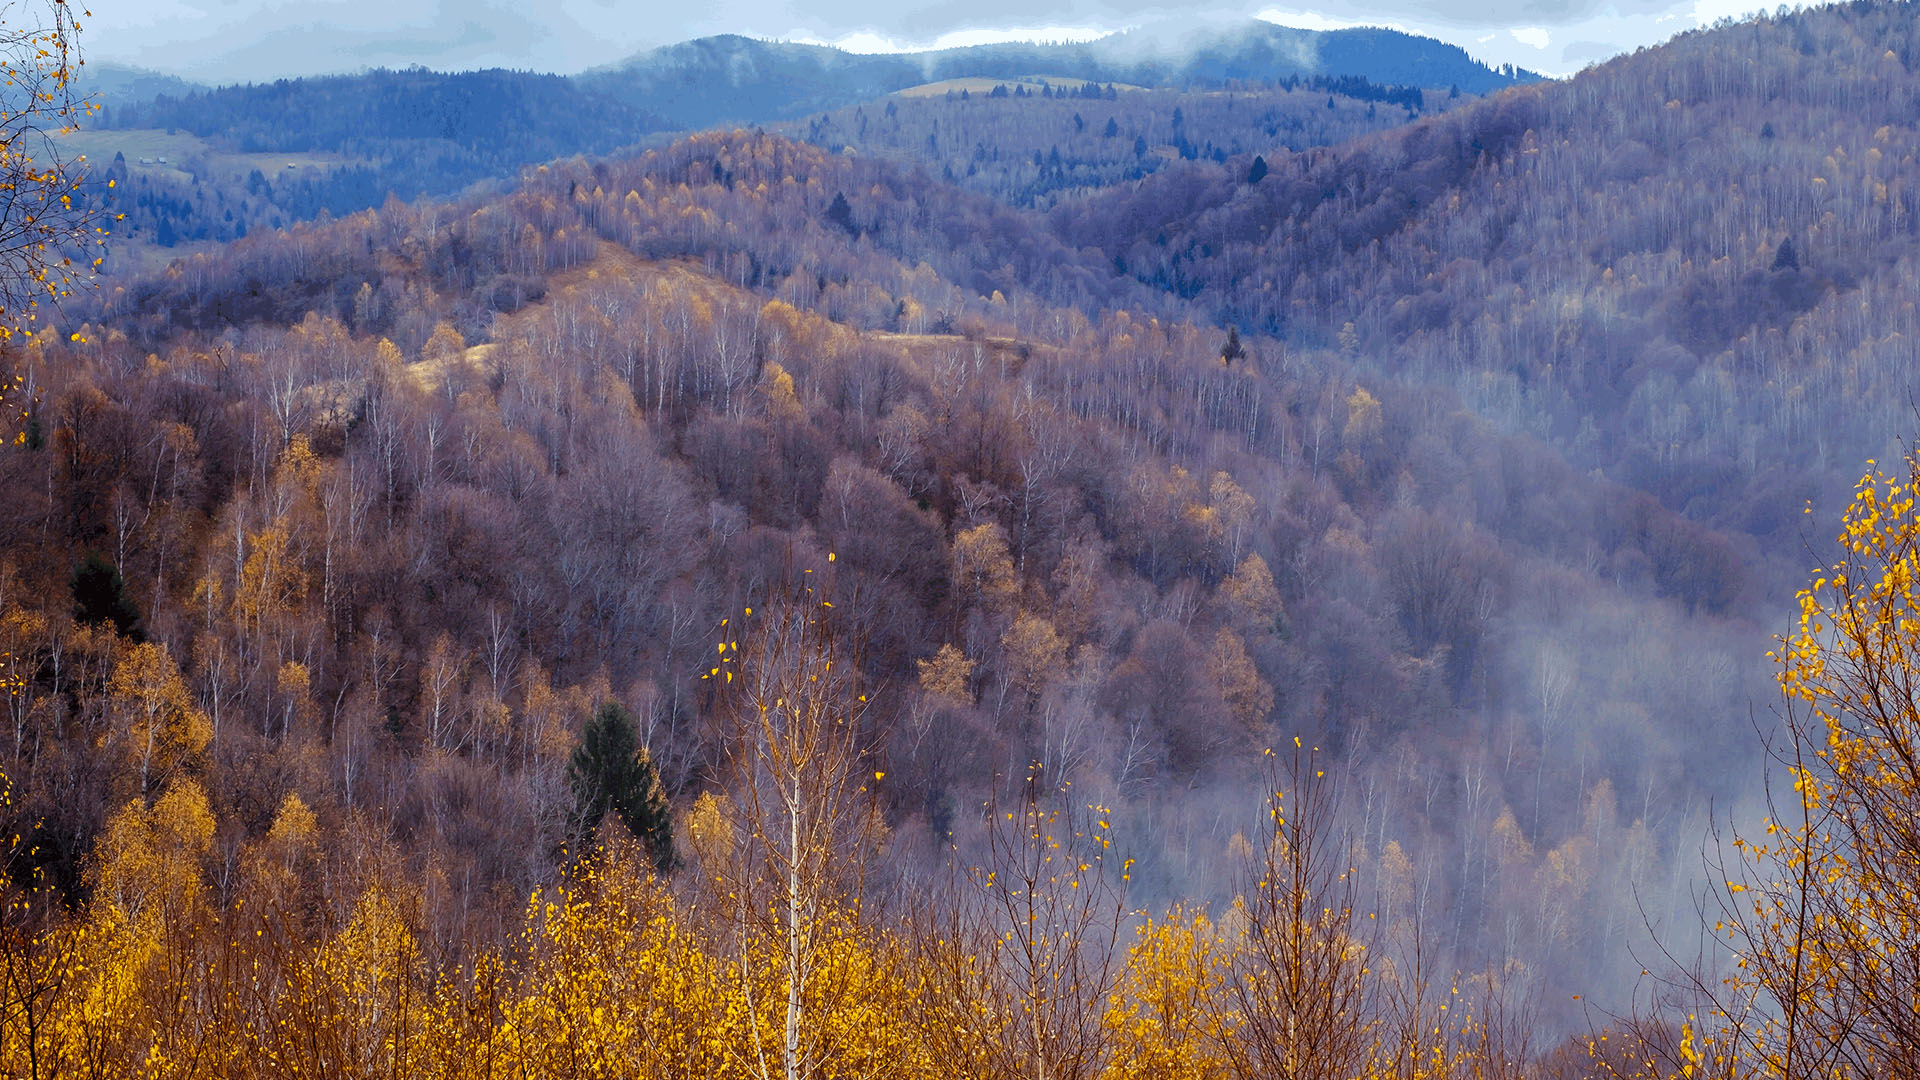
258	40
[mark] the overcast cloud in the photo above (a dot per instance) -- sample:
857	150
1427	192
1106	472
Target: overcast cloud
257	40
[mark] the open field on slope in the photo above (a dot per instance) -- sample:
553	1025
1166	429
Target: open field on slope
974	84
164	153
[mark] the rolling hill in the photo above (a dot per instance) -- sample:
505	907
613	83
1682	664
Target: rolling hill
1680	266
417	132
736	80
117	84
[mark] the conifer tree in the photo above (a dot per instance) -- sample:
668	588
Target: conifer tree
610	771
100	596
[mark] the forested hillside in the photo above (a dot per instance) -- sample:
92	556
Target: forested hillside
1030	144
400	133
114	84
788	595
730	80
393	540
417	132
276	155
1683	266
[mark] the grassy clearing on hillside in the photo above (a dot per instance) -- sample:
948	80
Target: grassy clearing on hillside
181	148
974	84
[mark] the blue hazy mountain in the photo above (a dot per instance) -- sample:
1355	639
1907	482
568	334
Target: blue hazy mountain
733	79
420	132
117	84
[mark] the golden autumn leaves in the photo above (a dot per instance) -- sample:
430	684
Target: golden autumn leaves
202	952
768	956
1032	968
48	222
13	412
1821	903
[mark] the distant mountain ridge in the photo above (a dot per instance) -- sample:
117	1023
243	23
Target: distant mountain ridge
730	79
417	132
733	79
114	84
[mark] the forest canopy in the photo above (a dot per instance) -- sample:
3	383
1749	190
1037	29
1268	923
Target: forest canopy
735	606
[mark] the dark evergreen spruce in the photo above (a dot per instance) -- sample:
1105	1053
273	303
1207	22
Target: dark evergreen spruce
611	771
100	597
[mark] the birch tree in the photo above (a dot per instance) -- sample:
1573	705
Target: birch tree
805	820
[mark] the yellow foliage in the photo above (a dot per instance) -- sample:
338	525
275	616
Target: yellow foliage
364	987
1251	599
618	986
1034	651
13	412
710	830
622	975
298	463
98	1018
1510	845
983	567
48	226
446	345
1169	1018
271	582
947	675
162	725
293	680
1813	902
1363	418
149	857
1230	514
1249	697
783	400
294	825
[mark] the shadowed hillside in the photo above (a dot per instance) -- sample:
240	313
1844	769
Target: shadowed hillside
736	80
1034	142
416	132
1682	266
